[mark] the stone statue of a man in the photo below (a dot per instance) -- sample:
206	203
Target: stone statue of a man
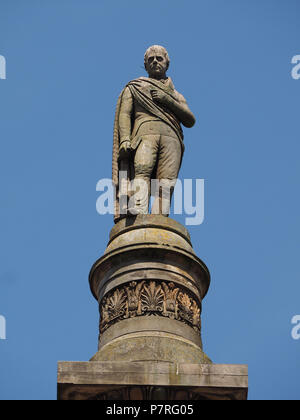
148	138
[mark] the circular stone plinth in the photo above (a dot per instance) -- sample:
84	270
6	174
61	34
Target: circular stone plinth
149	221
150	239
149	229
150	285
155	347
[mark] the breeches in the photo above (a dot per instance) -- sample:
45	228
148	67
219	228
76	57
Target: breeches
158	157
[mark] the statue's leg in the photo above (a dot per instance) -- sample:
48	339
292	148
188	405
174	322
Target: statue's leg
144	163
169	160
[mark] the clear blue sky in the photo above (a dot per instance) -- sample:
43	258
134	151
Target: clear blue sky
67	61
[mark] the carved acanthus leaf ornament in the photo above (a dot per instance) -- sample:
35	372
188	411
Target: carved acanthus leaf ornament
146	298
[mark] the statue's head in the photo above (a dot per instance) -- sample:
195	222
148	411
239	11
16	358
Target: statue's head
156	61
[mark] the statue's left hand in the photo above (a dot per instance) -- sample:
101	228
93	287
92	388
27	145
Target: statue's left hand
159	96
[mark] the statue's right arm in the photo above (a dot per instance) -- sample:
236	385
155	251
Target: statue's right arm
125	116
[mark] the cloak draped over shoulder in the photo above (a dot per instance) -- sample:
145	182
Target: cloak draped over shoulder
141	92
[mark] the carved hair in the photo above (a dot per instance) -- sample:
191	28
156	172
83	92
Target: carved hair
156	47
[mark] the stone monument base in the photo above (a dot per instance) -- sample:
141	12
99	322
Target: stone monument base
150	286
162	381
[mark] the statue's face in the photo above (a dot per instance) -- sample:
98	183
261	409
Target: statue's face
157	64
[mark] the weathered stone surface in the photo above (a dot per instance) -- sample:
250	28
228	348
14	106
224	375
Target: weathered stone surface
149	283
150	286
154	347
148	138
148	380
155	221
150	298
